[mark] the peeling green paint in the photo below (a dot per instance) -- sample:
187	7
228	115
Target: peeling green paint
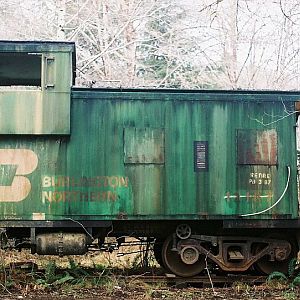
93	178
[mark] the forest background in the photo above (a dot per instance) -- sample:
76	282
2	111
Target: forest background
190	44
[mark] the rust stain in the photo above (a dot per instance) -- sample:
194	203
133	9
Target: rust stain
122	216
257	147
228	196
203	215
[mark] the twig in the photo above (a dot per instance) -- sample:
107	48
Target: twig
139	276
5	288
208	273
279	118
285	14
77	222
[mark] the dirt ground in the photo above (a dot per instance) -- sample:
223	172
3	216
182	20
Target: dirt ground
150	292
69	278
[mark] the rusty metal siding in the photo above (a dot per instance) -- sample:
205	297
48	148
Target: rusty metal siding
257	147
88	176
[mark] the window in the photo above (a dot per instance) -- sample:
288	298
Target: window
20	69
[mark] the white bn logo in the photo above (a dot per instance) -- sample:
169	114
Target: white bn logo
25	162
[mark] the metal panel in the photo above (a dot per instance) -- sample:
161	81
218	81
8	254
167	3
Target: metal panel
257	147
85	178
222	96
34	112
257	184
144	145
147	188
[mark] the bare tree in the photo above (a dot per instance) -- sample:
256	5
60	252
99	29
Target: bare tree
168	43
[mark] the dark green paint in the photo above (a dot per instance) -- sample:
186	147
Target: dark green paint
102	184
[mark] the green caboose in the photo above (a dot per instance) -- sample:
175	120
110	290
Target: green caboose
203	173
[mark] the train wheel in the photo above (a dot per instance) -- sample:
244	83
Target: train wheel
265	266
172	261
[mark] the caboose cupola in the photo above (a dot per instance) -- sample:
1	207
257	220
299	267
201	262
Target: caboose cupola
35	80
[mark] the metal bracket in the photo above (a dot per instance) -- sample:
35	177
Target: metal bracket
48	60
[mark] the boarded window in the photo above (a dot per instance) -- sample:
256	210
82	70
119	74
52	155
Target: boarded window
144	146
257	147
